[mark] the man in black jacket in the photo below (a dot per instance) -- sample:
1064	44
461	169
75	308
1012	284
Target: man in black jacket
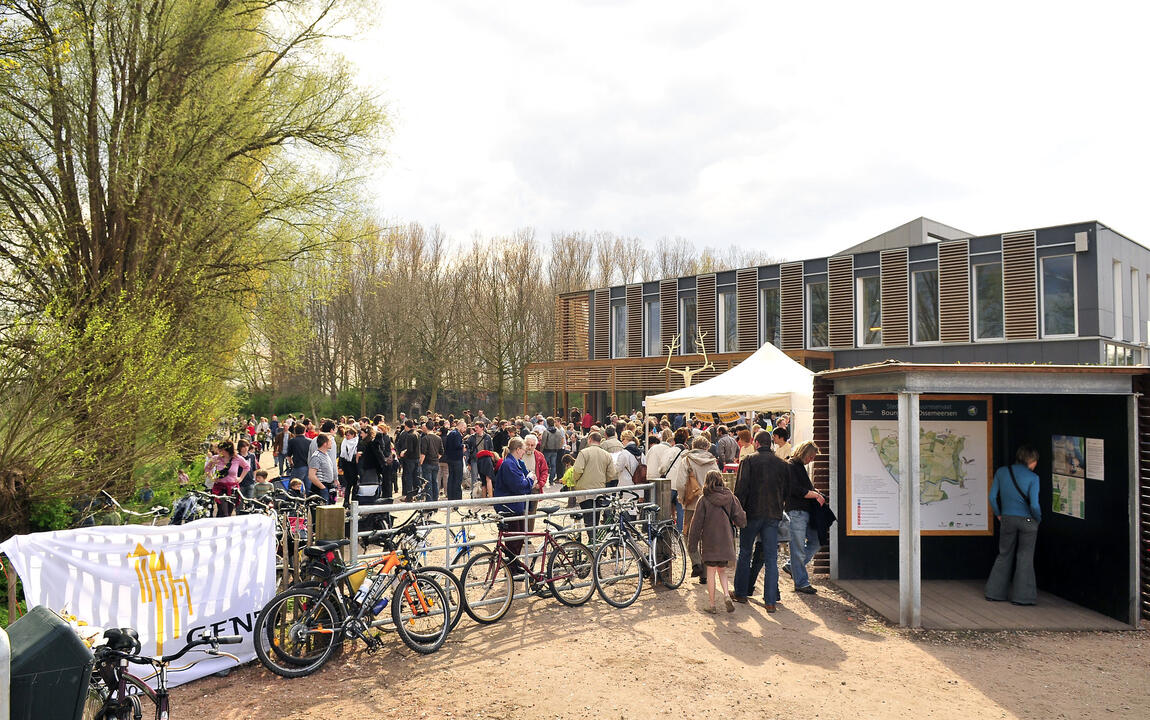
407	447
760	487
500	438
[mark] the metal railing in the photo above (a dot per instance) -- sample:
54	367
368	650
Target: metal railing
453	524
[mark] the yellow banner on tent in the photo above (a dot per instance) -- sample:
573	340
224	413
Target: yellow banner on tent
724	417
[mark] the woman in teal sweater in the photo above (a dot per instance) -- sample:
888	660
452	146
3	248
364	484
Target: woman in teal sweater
1014	499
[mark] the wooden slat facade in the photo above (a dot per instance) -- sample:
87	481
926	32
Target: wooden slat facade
705	307
602	324
954	291
747	297
895	297
791	305
634	321
841	301
820	469
1019	286
572	321
668	312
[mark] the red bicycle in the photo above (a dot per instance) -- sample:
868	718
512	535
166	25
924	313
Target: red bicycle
488	584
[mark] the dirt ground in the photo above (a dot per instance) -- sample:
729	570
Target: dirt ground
819	656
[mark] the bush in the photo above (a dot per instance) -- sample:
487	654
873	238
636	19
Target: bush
55	514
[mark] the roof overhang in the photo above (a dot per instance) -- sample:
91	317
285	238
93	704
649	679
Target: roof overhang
980	378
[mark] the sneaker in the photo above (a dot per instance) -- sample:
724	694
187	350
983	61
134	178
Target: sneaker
702	580
740	599
787	568
730	605
710	610
806	590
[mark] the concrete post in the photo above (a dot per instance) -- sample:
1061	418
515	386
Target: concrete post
909	546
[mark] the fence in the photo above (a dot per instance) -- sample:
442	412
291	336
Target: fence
457	538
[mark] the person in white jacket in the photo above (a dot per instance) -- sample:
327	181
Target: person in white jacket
627	459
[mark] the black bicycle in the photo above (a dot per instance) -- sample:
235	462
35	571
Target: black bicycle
631	553
116	694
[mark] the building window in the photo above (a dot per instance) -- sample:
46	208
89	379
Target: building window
1118	313
1059	301
728	322
1135	306
988	301
652	330
817	336
618	328
1122	355
869	302
770	309
926	306
688	325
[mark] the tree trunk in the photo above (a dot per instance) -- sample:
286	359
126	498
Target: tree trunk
363	400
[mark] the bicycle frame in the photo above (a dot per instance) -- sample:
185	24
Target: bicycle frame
502	552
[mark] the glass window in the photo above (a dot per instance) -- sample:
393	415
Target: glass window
926	306
728	322
869	303
688	325
1059	305
652	335
770	311
618	329
988	301
817	315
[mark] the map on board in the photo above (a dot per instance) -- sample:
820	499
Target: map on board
1069	495
953	469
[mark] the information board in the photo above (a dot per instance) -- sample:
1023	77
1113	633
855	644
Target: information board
954	470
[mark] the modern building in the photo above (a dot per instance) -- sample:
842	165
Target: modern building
920	293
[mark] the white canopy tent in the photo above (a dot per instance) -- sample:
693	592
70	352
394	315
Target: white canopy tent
767	380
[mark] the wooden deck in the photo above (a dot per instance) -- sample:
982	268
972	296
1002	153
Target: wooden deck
960	605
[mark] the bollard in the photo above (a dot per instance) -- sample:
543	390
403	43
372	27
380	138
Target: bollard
329	522
662	495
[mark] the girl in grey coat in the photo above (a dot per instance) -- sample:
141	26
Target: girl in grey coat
716	516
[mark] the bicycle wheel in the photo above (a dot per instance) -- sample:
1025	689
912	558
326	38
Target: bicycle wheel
452	588
296	632
421	613
466	552
94	702
618	573
571	574
487	588
671	556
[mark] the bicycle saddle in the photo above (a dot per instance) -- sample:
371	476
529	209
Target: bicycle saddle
648	506
122	639
548	509
323	547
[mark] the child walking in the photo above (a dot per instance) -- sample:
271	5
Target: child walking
717	514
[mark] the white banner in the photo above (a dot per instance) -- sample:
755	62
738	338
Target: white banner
169	583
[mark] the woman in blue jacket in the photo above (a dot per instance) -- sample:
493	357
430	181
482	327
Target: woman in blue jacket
511	480
1014	499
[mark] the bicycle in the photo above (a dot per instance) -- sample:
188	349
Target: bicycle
629	555
116	694
300	628
489	586
105	510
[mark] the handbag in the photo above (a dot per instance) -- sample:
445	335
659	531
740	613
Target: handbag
692	490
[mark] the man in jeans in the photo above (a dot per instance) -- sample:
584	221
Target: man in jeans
476	442
430	448
552	447
760	487
453	456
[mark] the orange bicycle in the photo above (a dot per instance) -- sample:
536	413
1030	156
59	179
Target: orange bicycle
300	628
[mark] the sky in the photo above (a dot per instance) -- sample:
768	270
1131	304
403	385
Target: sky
798	129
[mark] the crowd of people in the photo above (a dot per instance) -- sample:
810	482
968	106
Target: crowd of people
369	460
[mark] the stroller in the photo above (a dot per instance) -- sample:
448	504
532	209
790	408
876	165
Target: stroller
372	494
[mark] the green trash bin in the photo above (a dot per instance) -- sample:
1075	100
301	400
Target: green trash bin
51	667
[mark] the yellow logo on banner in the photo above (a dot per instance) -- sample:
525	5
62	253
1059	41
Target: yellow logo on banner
160	588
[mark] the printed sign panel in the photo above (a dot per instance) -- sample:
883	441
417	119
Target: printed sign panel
954	465
169	583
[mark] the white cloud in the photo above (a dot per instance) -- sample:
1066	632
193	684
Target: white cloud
802	128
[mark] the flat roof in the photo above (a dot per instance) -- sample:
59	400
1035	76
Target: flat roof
889	366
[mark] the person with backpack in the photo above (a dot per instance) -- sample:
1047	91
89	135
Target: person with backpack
712	536
1014	500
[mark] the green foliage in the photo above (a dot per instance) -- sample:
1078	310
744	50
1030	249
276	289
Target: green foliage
53	514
